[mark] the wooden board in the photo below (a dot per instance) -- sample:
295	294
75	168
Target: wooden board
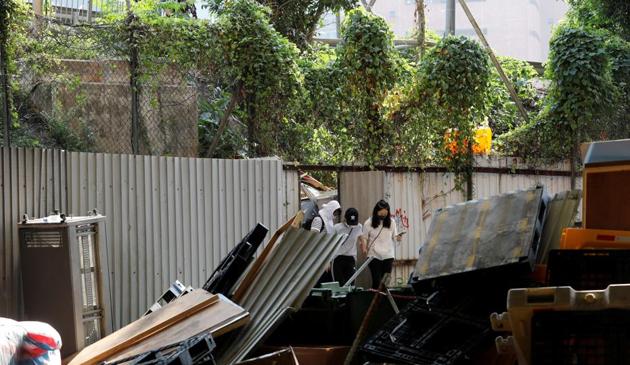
145	327
218	319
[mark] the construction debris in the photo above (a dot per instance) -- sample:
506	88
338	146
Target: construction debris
282	283
176	290
563	209
193	351
280	357
193	314
236	262
496	232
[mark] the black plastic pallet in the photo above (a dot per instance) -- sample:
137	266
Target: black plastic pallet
194	351
588	269
234	264
439	333
581	337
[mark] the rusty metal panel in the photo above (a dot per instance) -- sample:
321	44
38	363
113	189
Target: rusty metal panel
484	233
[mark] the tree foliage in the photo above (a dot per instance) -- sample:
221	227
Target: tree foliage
296	19
503	115
455	75
588	97
369	67
265	64
580	94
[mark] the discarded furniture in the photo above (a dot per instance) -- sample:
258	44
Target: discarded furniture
65	277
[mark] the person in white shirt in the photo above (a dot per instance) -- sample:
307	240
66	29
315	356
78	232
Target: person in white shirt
324	221
377	241
343	265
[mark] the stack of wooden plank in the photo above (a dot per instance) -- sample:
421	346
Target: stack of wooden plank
190	315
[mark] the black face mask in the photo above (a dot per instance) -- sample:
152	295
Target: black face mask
380	219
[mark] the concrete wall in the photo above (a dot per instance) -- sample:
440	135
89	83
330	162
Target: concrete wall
96	103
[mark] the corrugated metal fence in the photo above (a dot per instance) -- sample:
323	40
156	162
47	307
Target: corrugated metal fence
168	217
414	196
176	218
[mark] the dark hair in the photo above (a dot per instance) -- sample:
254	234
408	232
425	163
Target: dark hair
352	216
387	222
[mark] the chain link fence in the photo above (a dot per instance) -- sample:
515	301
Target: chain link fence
84	86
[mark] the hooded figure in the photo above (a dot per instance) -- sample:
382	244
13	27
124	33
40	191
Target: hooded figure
325	220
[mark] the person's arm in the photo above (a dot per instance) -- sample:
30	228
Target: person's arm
363	238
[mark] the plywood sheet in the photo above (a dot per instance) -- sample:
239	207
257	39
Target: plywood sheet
218	319
146	327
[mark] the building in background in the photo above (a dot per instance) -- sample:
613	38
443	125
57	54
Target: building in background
516	28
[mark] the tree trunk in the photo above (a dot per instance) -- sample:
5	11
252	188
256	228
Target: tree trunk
575	158
251	127
313	26
421	22
234	99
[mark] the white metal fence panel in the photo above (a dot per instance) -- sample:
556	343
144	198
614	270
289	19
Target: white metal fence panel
403	191
168	217
173	218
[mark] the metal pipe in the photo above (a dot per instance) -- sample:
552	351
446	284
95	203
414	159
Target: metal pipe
450	18
358	272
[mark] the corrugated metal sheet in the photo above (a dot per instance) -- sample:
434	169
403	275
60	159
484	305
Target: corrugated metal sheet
437	190
361	190
561	214
292	269
403	191
168	217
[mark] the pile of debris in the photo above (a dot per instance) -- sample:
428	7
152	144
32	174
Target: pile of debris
240	304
